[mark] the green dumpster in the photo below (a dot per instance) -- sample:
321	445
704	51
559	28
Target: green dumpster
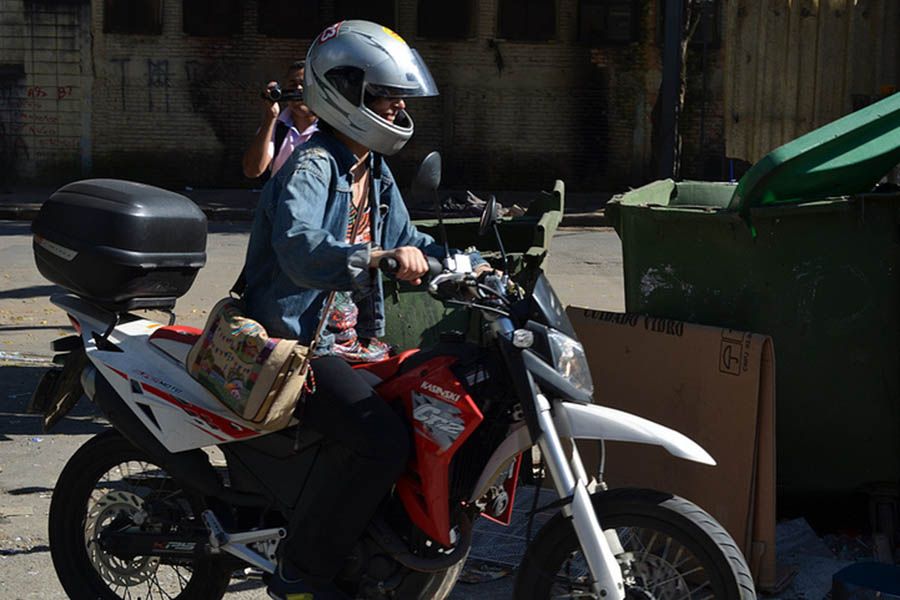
802	251
415	319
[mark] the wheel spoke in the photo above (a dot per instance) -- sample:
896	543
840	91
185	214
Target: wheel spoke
691	594
155	579
181	578
649	546
679	576
666	547
662	567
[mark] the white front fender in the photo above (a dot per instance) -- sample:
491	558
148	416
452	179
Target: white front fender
592	422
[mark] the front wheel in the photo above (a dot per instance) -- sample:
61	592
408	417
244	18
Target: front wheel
674	549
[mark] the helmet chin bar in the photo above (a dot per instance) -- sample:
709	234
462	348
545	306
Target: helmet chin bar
377	133
406	121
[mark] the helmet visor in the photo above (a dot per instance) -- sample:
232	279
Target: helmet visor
408	78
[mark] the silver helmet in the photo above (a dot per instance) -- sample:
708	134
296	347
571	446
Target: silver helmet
350	63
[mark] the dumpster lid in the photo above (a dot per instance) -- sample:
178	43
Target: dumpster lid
847	156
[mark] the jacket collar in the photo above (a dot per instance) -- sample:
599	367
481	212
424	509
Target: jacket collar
344	158
342	155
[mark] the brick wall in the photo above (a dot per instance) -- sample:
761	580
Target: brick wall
44	90
515	115
174	109
702	125
178	110
634	73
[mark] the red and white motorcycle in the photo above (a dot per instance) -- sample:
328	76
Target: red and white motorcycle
141	511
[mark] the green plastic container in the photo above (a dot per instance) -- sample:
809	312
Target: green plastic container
847	156
820	273
415	319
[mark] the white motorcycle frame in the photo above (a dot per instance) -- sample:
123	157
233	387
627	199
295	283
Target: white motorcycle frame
151	379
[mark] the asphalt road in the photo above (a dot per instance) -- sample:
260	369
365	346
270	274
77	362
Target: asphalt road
584	265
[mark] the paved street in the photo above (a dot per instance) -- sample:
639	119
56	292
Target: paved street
584	266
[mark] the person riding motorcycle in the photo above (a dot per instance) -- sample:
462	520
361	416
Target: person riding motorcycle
323	223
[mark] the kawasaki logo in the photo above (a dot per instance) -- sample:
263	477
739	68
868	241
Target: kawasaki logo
441	392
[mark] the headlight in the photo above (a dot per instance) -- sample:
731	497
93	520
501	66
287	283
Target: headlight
570	360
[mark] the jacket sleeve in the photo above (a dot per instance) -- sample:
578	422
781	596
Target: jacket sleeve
306	252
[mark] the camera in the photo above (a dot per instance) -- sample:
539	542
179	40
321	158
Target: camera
275	94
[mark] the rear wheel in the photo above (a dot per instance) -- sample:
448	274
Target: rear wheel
108	484
674	549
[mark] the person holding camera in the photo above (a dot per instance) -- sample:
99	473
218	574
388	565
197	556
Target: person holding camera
281	130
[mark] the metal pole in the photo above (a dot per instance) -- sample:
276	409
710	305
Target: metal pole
706	31
671	81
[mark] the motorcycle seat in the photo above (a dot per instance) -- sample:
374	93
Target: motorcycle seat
176	340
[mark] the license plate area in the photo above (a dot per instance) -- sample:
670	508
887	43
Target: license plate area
59	389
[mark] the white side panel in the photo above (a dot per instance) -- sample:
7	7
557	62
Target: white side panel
186	415
592	422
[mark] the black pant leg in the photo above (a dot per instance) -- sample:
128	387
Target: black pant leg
376	445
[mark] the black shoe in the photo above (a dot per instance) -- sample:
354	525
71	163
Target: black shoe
286	585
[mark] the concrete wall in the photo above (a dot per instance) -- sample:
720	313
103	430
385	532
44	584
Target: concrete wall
175	110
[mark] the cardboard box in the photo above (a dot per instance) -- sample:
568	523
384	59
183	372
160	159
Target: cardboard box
714	385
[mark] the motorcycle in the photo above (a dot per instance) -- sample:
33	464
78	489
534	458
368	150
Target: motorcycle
142	510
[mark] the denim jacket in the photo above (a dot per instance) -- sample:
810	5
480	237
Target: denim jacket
298	249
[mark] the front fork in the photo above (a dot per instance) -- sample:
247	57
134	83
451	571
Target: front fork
571	481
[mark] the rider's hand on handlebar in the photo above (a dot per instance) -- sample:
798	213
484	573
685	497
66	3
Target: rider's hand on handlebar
484	268
492	279
411	263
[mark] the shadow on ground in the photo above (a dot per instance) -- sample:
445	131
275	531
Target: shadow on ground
15	228
31	291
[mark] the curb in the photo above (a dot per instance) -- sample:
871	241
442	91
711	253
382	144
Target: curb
27	212
19	212
591	219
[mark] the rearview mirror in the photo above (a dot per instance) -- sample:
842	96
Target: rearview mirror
489	216
428	178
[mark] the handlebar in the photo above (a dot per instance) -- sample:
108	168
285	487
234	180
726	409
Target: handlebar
460	287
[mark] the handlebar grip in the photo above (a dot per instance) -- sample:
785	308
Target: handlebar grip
389	265
434	266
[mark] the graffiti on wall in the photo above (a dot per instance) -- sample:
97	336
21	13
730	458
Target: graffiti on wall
123	66
31	120
205	79
32	123
12	147
158	79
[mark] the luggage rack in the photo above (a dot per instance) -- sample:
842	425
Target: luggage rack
113	312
